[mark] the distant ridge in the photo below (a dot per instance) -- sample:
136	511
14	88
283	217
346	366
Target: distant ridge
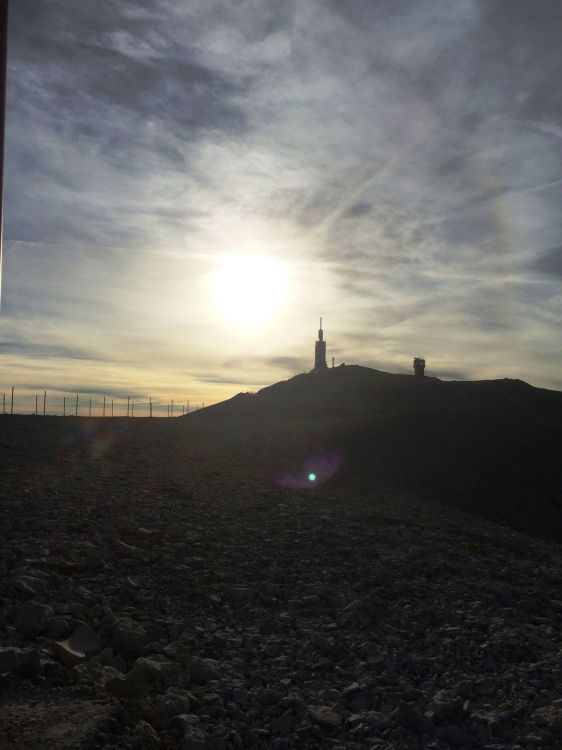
490	447
353	390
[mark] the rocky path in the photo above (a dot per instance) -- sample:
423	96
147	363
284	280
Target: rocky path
150	601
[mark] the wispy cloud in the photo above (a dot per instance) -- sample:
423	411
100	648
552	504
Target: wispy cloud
402	159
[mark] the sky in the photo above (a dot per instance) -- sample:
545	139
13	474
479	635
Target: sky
190	184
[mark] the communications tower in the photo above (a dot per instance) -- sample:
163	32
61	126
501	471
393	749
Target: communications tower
320	351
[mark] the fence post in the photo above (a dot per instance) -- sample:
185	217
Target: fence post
132	409
12	404
90	409
76	413
104	406
3	403
172	409
44	402
64	406
150	405
128	401
188	406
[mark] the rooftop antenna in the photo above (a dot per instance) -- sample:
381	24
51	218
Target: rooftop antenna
3	68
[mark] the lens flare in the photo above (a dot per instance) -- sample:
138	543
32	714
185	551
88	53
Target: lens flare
317	469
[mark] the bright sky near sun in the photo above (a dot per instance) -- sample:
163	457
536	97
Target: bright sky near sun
248	290
191	184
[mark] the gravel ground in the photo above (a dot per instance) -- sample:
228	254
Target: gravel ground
159	589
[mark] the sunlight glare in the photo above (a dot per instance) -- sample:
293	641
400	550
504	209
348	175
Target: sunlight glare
248	289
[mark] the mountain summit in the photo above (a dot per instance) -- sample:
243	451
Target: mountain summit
352	391
489	447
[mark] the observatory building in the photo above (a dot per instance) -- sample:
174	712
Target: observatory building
419	367
320	351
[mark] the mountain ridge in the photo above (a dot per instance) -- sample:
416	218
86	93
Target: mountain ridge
354	390
491	448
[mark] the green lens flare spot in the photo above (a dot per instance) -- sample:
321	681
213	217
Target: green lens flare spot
312	477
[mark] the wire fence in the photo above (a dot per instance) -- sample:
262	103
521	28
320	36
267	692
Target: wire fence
46	403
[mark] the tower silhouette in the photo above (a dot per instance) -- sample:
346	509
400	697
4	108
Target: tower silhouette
320	351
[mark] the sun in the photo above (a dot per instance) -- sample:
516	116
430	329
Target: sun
248	289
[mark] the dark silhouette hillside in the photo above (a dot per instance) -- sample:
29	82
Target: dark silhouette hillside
357	391
489	447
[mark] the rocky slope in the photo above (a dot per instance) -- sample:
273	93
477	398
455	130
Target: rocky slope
162	589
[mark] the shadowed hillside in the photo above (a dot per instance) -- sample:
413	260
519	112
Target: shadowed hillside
357	391
489	447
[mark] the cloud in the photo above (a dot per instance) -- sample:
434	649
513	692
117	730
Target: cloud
44	351
550	262
291	364
402	159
